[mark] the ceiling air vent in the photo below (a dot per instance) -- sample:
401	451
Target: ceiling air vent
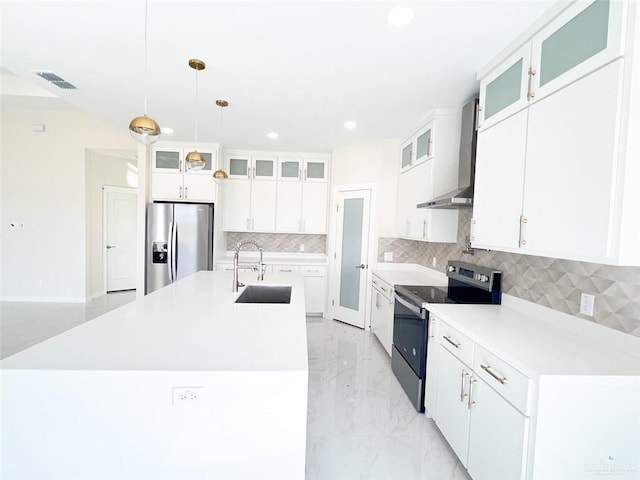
56	80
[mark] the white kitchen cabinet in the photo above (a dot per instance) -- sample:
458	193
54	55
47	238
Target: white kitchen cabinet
302	196
452	405
250	193
577	41
432	225
315	285
382	303
249	206
433	355
553	178
173	180
484	428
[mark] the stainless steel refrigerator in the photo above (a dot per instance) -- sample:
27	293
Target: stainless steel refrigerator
179	242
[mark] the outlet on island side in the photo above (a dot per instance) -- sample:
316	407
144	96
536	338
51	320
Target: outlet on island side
187	396
302	247
586	304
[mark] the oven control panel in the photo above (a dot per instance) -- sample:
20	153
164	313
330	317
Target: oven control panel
483	277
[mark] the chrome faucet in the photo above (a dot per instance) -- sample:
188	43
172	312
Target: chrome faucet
236	266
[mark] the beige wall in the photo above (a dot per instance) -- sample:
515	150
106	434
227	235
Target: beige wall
377	163
43	186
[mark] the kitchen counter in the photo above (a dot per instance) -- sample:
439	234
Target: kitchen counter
409	274
181	383
533	346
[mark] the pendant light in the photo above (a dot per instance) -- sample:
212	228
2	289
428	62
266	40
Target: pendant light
144	129
195	160
220	175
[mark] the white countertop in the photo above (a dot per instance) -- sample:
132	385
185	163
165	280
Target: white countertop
192	324
533	346
409	274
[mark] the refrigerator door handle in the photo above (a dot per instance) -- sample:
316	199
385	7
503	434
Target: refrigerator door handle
170	252
174	252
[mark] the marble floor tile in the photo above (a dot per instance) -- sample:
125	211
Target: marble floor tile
360	423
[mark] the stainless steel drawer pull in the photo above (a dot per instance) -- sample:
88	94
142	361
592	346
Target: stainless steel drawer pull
487	368
448	339
463	395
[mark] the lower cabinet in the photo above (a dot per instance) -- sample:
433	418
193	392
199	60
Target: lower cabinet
315	285
475	409
382	304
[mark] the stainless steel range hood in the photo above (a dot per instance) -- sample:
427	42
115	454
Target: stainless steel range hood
463	195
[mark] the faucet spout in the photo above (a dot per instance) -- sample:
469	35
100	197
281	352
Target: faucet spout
236	267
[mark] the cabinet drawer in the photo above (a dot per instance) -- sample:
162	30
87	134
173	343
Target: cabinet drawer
313	270
382	286
513	385
460	345
286	268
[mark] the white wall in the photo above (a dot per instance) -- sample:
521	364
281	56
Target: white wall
43	186
377	163
102	170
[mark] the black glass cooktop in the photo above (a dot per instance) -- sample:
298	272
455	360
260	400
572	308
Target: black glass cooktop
455	293
429	294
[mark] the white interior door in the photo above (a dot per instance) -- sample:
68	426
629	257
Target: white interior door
119	226
352	256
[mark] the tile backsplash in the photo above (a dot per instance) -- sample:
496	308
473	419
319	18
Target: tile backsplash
279	242
552	282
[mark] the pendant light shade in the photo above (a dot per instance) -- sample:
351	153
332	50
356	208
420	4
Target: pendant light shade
145	129
195	160
219	176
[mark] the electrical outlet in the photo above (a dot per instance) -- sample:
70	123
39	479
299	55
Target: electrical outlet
302	247
433	262
187	396
388	256
586	304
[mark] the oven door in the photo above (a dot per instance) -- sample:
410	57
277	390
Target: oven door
410	333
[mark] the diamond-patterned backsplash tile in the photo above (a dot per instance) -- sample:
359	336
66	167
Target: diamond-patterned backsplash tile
552	282
279	242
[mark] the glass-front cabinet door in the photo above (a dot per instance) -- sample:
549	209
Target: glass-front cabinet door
264	168
238	165
504	90
167	158
315	170
581	39
289	169
406	155
424	143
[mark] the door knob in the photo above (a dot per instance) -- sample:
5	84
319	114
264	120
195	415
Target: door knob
361	266
110	246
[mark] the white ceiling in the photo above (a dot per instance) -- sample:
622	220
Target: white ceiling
301	68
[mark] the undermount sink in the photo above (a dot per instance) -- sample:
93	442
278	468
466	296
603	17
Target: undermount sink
265	294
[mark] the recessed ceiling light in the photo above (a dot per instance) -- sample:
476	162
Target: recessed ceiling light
399	16
273	135
350	125
167	130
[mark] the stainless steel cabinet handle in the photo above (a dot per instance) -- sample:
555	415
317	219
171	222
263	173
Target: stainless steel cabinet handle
180	195
186	192
487	368
472	382
448	339
463	395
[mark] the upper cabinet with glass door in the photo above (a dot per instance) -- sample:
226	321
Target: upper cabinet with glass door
418	148
299	169
169	158
245	165
580	39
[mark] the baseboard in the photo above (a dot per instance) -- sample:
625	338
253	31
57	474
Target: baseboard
44	299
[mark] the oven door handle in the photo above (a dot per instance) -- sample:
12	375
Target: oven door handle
410	306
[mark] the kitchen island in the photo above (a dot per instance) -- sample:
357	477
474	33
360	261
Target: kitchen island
183	383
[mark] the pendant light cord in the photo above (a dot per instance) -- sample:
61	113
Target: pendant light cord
146	72
196	109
